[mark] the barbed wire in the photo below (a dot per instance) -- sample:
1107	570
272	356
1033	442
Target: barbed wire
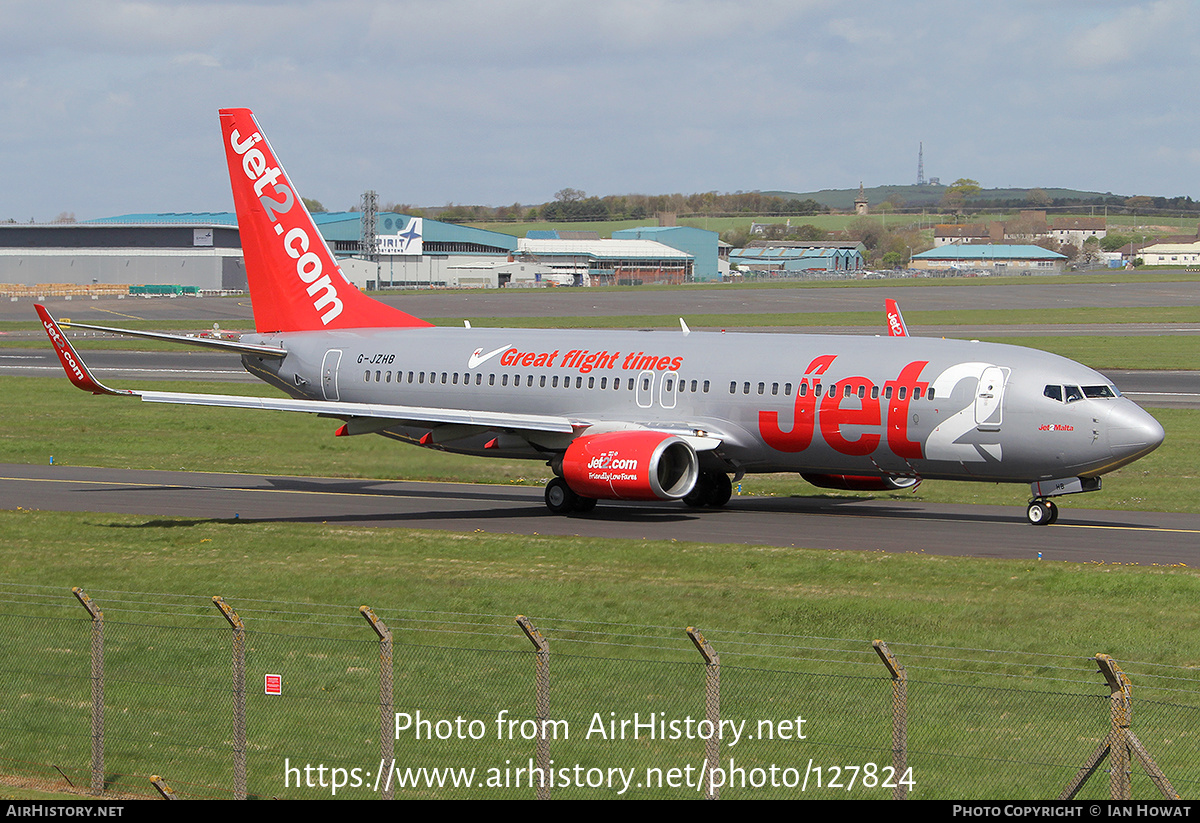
783	647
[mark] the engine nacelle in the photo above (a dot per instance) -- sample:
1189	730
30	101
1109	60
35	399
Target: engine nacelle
860	483
630	465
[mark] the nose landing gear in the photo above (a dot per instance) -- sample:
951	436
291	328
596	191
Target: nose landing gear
1041	512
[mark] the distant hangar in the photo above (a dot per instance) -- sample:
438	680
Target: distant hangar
203	250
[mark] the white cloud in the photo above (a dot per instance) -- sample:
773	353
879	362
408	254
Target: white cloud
1131	34
478	101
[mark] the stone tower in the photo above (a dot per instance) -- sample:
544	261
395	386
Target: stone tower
861	206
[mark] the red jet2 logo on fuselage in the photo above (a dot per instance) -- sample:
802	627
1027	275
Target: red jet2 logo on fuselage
834	413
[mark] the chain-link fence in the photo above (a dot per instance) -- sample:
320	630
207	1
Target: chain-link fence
228	699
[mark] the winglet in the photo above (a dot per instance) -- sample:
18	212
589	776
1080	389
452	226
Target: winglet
77	371
895	320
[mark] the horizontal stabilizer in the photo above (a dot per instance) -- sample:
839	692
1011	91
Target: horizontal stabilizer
203	342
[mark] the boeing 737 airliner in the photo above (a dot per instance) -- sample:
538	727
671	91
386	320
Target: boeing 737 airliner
662	415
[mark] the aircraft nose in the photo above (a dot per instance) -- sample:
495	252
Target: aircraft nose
1132	432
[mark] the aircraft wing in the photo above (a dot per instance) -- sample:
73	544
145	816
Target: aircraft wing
400	415
360	417
82	377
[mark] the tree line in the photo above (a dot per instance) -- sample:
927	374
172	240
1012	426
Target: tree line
573	205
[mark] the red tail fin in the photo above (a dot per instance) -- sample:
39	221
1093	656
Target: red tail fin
295	282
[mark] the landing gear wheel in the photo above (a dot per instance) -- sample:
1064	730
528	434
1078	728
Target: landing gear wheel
1041	513
559	497
712	489
701	493
722	490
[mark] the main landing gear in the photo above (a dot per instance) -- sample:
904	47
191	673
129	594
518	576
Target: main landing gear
560	499
712	489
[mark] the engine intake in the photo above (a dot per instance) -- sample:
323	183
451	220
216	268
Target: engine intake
631	465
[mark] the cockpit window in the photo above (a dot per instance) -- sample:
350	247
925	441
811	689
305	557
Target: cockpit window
1070	394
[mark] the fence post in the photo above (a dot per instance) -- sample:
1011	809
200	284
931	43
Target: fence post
542	702
97	689
1120	745
163	789
712	710
1120	715
387	738
239	697
899	718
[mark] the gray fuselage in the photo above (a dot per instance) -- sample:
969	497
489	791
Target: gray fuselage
822	404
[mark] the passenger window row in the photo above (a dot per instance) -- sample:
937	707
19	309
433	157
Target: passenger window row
670	385
543	381
847	390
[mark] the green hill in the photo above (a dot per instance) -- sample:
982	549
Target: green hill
930	195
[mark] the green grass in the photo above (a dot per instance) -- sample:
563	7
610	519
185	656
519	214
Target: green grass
904	598
793	628
1105	352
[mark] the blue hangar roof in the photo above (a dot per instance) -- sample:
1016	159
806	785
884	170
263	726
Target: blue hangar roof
339	225
201	218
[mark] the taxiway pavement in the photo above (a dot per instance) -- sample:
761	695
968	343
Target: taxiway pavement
818	522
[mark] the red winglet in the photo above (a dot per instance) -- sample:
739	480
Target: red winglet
72	363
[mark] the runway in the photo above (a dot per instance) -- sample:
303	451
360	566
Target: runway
1081	535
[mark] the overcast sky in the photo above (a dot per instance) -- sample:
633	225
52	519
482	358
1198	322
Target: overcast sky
110	108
